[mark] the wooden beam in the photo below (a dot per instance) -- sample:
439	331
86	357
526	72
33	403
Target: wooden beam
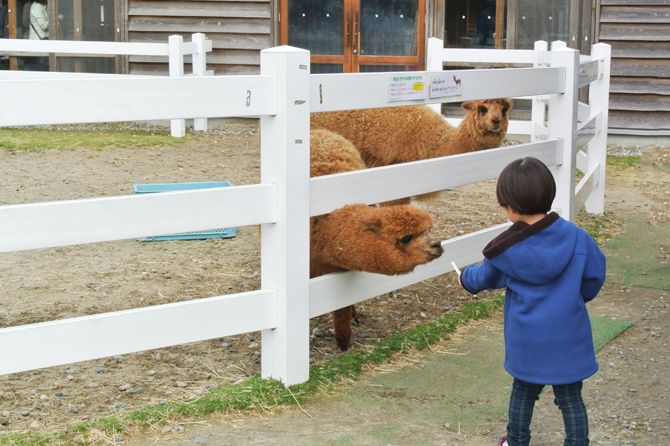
512	13
573	33
283	22
78	31
500	23
12	17
421	34
436	11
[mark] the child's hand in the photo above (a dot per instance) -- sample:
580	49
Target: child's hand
458	271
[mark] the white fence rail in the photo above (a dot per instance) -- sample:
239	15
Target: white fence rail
283	95
175	51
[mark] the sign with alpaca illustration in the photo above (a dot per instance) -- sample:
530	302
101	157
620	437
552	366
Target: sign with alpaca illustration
444	84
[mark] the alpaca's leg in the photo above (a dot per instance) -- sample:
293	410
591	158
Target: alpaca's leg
430	196
342	323
398	202
354	316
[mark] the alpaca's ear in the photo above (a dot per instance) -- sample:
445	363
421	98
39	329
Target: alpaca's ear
508	101
468	105
372	224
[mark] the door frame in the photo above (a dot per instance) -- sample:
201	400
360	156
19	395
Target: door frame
351	59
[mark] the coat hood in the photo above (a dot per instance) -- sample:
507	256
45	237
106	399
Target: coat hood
536	253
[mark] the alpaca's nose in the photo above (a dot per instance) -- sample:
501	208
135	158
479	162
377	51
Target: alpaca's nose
496	122
436	248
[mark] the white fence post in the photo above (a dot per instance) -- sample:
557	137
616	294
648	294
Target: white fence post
285	244
176	64
434	62
538	105
563	124
199	63
597	147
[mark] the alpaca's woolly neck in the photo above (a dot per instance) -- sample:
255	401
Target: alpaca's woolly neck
465	138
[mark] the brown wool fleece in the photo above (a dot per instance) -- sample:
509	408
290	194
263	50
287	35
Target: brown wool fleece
386	240
401	134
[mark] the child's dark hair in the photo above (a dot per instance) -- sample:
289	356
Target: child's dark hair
526	186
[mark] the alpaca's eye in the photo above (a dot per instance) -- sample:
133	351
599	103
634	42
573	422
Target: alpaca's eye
406	239
482	110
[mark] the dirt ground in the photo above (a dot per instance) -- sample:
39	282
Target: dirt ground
72	281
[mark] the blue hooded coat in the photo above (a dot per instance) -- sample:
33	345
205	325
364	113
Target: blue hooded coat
550	269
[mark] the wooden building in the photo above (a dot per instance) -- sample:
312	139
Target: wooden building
377	35
639	32
238	30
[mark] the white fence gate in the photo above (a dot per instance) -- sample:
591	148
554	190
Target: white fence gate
175	50
283	95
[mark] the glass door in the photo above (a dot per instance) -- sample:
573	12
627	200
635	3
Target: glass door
475	24
356	35
322	27
90	20
390	36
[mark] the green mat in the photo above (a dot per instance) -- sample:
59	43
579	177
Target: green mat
640	257
606	329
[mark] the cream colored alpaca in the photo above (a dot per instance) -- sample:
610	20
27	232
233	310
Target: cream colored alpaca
385	240
395	135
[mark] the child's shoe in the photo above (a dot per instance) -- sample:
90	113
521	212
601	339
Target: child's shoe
503	442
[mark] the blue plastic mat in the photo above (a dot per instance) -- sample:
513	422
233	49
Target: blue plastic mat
171	187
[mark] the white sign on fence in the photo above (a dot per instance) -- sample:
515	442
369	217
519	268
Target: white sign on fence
443	85
407	87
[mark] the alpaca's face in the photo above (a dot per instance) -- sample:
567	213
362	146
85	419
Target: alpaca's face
412	250
386	240
490	116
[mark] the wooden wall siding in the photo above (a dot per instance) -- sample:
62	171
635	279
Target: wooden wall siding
639	32
631	122
640	85
239	29
640	50
635	14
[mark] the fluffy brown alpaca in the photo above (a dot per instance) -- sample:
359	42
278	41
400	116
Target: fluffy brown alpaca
385	240
401	134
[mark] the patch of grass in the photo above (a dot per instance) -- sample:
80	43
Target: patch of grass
618	163
600	227
256	394
37	439
36	139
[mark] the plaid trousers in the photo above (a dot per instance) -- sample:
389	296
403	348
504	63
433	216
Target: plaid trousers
568	398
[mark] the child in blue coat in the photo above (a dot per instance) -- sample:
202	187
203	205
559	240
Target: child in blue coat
551	268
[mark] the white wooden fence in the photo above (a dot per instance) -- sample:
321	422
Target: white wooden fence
175	50
283	95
